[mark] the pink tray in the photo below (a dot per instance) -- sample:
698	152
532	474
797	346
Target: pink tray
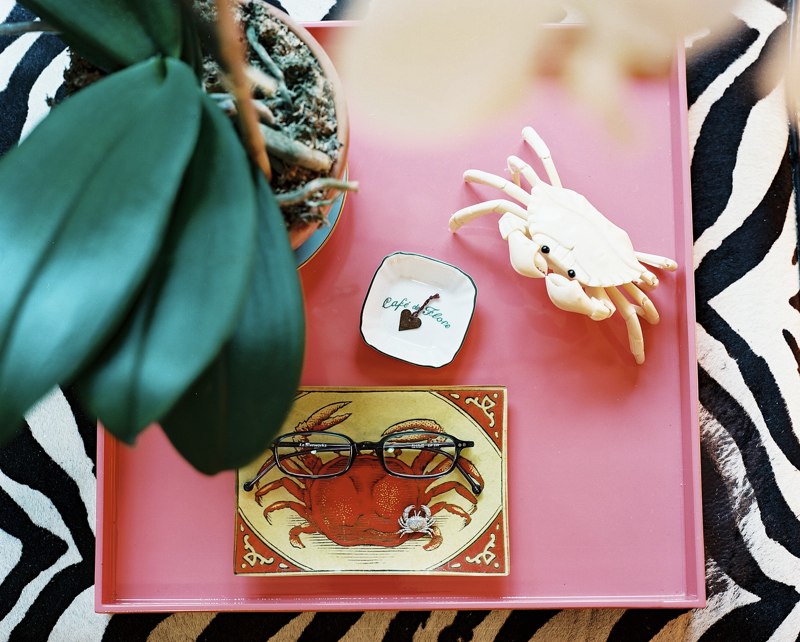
604	484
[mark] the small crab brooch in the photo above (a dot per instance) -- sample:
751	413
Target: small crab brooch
558	235
416	522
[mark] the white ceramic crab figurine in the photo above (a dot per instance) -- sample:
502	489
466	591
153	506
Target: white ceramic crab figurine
559	235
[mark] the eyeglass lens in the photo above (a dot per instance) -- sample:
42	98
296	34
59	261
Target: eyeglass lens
419	454
315	455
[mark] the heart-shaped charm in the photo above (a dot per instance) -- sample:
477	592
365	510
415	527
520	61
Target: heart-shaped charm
408	321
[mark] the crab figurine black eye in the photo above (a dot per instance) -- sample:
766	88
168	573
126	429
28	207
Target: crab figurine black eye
571	274
545	249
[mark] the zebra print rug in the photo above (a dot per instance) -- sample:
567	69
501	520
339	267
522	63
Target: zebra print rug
748	328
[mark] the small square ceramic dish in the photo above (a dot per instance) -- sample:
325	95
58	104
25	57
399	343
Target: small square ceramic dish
404	281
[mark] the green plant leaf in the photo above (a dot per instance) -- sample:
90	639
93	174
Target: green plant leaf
191	51
161	20
232	412
194	292
85	203
113	33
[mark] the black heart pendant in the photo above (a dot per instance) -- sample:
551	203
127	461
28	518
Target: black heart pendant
408	321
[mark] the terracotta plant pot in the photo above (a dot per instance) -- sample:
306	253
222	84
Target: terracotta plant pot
298	235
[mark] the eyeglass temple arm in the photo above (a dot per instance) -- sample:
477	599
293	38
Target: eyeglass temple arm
476	487
269	465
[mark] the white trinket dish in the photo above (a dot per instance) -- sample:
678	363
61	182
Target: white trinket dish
404	281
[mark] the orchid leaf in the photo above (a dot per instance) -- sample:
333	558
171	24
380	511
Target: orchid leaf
79	231
114	34
191	51
239	403
161	20
194	292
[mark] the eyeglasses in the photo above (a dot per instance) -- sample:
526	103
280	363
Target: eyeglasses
413	454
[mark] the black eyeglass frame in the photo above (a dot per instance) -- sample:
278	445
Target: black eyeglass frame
357	447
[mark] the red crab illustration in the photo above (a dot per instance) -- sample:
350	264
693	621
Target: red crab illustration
363	505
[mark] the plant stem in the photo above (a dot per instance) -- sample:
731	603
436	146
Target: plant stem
233	57
271	67
264	82
300	194
295	152
228	105
19	28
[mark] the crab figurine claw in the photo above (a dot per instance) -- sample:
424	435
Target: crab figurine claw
557	234
526	258
568	295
